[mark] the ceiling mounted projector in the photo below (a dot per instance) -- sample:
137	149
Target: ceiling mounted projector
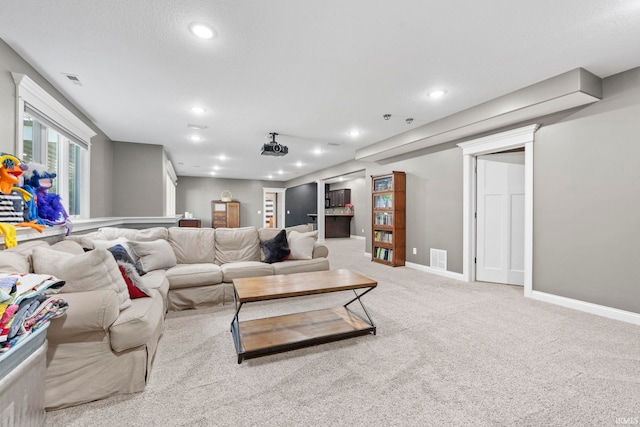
273	148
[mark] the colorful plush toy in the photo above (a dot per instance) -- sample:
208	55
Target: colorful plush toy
12	200
48	208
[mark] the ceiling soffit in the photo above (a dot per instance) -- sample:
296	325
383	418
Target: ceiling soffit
572	89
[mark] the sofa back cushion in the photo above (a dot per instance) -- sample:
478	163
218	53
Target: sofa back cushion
302	244
143	235
270	233
193	245
237	244
14	262
155	255
92	270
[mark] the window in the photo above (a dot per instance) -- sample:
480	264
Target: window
51	135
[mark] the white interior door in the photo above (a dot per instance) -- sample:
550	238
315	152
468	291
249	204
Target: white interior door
500	218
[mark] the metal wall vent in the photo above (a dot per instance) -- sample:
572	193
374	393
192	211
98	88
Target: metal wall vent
438	259
335	144
74	79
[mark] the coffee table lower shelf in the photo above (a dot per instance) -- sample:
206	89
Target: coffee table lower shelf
269	335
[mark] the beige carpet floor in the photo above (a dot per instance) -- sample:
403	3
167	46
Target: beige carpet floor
447	353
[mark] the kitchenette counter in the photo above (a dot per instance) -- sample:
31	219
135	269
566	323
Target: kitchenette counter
335	224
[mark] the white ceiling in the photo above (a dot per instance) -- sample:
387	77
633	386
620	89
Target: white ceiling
310	70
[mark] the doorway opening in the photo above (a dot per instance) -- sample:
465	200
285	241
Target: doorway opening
273	207
509	140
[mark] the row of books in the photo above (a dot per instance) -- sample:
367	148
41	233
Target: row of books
383	218
383	236
382	184
383	253
384	201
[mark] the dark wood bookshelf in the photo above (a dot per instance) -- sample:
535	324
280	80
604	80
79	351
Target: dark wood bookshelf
388	218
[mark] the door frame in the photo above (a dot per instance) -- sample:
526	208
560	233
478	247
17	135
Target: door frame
516	138
280	212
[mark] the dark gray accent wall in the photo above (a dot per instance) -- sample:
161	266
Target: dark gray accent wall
101	149
434	205
195	194
138	179
587	200
299	202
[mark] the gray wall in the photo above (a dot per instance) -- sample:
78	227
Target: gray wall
360	196
587	200
195	195
138	179
101	150
434	205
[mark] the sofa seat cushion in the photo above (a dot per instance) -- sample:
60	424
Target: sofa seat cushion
136	325
300	266
191	275
236	270
237	244
193	245
156	280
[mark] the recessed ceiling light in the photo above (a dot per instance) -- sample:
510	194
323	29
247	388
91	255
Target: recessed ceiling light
222	157
212	172
202	30
354	133
270	176
215	168
299	164
197	109
280	172
317	151
438	93
195	138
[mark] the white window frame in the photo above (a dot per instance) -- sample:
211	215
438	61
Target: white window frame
171	182
29	92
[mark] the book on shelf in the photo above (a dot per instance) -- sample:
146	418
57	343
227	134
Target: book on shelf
384	218
384	254
383	236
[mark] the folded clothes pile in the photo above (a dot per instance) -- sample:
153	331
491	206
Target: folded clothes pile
27	301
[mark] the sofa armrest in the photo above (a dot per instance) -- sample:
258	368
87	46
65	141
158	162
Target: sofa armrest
89	311
320	251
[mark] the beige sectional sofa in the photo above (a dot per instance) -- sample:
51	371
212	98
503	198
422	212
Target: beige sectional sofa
105	344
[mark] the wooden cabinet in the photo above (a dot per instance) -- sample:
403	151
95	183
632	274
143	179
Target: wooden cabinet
225	214
339	198
189	222
388	201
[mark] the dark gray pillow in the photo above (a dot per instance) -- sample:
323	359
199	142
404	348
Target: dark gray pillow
276	249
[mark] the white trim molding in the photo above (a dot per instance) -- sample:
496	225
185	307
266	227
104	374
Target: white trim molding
516	138
587	307
28	91
280	214
426	269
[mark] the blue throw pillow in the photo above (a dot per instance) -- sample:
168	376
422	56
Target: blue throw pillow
276	249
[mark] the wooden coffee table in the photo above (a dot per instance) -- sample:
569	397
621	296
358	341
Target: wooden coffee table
269	335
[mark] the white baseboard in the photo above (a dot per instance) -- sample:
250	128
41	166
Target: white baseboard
353	236
367	254
600	310
445	273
